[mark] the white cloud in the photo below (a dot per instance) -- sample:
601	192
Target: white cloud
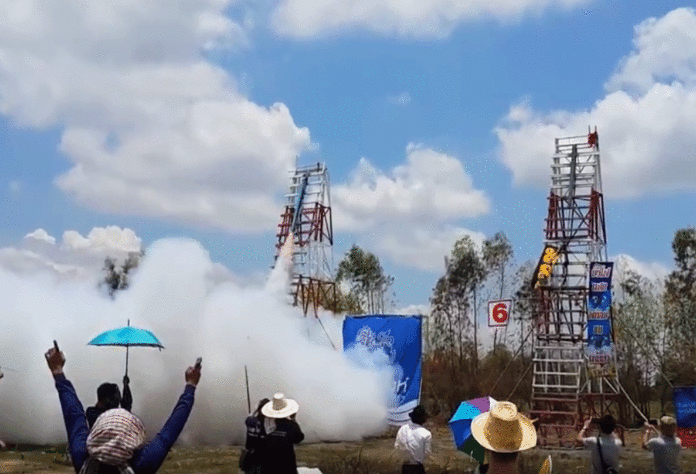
646	121
409	214
150	126
74	258
407	18
15	187
654	271
401	99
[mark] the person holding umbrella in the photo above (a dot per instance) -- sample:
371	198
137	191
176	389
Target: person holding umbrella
504	433
414	441
117	441
109	397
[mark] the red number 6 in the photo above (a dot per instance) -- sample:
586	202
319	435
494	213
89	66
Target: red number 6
500	313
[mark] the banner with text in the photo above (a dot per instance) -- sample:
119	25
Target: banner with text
399	337
599	342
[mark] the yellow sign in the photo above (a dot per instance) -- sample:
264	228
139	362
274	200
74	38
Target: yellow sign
545	266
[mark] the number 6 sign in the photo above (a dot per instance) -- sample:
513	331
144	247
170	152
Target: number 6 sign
499	313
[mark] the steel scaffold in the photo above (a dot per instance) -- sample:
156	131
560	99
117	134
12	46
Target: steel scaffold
564	389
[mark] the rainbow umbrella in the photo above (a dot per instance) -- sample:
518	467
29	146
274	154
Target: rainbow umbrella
460	424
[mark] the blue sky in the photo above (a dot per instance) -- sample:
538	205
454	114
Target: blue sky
162	120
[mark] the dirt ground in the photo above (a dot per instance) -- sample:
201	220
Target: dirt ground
374	455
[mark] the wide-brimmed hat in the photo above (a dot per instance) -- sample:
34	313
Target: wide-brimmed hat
115	436
280	407
503	429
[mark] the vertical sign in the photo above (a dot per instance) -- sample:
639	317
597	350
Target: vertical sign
599	342
685	413
499	313
399	337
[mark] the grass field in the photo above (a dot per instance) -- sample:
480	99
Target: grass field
371	456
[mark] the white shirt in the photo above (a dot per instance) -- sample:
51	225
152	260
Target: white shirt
414	440
666	452
611	447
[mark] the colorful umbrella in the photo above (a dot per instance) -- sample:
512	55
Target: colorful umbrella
460	424
126	337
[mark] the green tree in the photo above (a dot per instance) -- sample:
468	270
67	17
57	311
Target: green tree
453	317
640	344
497	257
368	283
680	303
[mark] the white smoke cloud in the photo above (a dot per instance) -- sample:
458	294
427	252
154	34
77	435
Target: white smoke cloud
151	127
409	214
421	19
174	295
646	121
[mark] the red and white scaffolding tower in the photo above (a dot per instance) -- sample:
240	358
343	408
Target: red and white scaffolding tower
307	218
565	388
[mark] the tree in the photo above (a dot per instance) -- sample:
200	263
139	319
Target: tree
116	277
454	298
640	344
680	303
497	257
367	282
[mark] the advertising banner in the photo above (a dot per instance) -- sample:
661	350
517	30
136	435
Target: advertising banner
399	337
599	335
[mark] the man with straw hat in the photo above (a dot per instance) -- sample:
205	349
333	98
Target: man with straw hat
282	433
504	432
666	447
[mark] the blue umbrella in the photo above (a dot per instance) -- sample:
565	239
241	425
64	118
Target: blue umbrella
460	424
126	337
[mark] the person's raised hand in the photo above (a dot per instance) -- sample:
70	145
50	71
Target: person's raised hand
193	375
55	359
587	423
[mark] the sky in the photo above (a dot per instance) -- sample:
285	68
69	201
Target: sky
123	122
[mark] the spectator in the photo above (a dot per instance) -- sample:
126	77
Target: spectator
255	440
414	441
116	443
666	447
604	448
282	433
503	432
109	397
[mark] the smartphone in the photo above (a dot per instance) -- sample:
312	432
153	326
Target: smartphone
198	362
55	345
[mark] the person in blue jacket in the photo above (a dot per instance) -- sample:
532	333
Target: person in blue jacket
116	443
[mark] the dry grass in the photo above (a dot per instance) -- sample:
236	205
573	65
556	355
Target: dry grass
372	456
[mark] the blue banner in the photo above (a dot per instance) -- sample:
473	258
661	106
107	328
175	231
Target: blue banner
599	341
399	338
685	406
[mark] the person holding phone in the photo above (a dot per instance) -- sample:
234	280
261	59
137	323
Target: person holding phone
604	448
116	442
282	433
666	446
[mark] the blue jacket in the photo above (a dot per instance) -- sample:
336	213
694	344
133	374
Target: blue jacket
146	460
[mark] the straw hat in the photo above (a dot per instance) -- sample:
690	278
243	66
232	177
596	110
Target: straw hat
280	407
503	429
